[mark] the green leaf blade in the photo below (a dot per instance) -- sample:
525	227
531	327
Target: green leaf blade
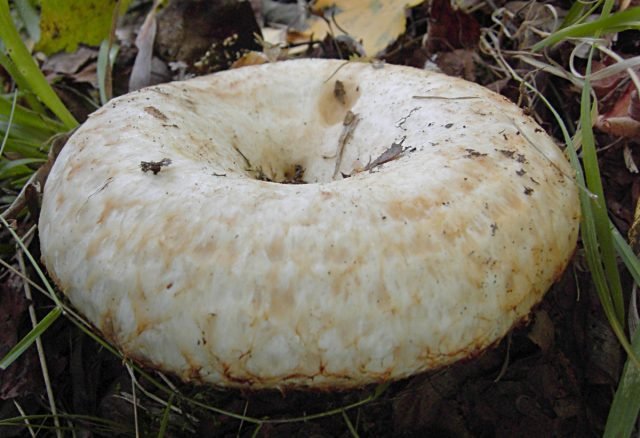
30	338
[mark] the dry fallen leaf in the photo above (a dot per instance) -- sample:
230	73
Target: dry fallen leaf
622	119
377	23
618	102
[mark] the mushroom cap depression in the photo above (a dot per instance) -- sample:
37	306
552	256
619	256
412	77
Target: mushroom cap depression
308	223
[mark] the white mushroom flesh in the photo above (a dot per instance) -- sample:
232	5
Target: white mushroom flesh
375	272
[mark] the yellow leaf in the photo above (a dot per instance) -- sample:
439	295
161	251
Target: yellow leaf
66	23
376	23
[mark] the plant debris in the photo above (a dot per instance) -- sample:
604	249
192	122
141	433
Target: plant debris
349	125
154	166
395	151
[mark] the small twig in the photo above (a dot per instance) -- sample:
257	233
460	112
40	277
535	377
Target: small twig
10	121
40	349
244	413
445	98
25	417
505	363
349	125
352	429
23	277
135	399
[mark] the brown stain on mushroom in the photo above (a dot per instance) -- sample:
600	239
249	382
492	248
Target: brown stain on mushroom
413	210
140	308
75	165
107	326
333	106
155	112
232	89
60	198
112	205
275	249
96	243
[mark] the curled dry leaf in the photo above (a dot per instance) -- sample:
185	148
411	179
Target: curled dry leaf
619	103
623	120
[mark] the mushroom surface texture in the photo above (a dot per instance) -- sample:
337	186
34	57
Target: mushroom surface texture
308	223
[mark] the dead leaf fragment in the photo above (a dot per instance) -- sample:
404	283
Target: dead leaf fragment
618	102
377	23
395	151
459	63
542	332
250	58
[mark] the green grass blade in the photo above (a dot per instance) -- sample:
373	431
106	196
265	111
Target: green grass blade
587	229
33	262
26	148
23	133
625	20
574	14
578	12
256	430
30	338
626	402
600	215
12	112
380	389
30	18
96	424
626	254
16	168
164	423
28	69
352	429
33	119
13	71
106	59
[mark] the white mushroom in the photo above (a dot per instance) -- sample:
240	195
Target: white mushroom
434	216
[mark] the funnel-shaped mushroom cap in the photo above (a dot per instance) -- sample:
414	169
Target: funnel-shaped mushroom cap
308	223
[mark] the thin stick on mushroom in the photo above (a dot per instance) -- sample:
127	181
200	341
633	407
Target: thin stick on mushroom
349	125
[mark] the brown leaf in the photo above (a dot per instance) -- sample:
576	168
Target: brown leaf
69	64
542	332
458	63
623	119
